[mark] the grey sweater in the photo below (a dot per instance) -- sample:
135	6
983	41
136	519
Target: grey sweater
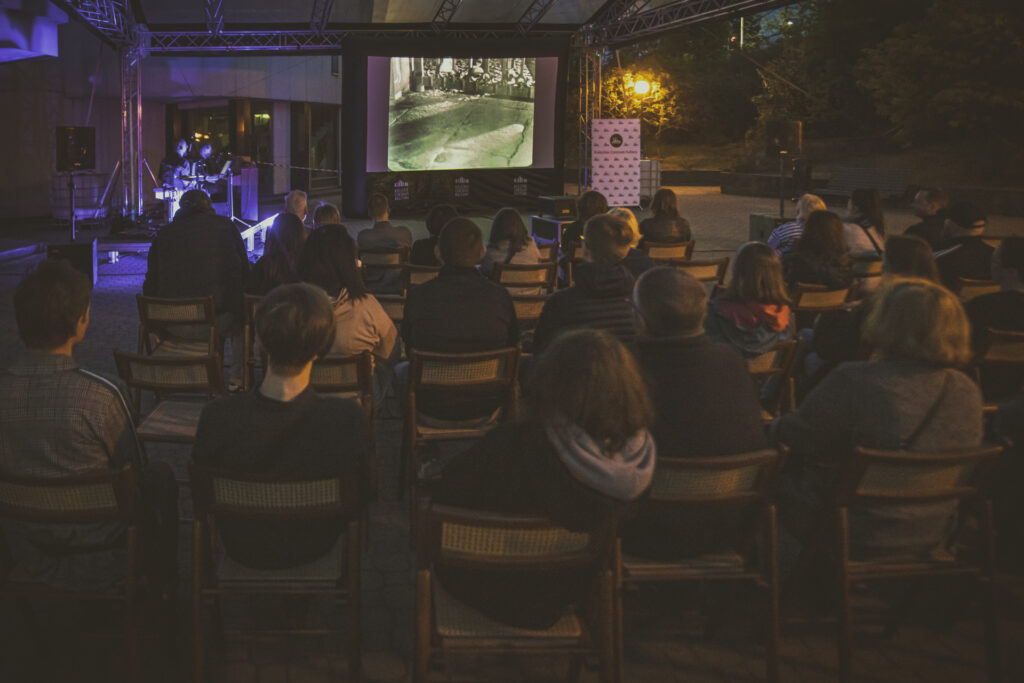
875	404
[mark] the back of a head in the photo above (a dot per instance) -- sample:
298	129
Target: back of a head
438	216
757	276
379	207
329	262
508	225
627	216
48	303
591	203
811	202
195	201
915	319
823	237
295	203
867	203
909	256
937	197
326	214
285	239
967	216
461	243
665	203
295	324
589	379
672	303
606	239
1009	256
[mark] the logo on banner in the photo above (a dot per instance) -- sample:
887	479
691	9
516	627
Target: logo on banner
401	191
615	140
461	187
520	186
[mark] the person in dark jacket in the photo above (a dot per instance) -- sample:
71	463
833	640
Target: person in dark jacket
820	256
705	404
963	253
665	225
580	455
600	296
930	206
422	253
284	431
281	252
591	203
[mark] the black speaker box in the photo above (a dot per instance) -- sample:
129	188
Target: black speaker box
561	207
76	148
81	255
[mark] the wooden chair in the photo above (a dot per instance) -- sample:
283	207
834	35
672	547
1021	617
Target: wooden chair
102	496
393	305
573	255
417	275
351	376
252	360
967	289
548	250
776	366
189	381
526	278
528	309
524	544
177	327
885	478
435	377
214	573
709	270
731	485
668	251
810	300
384	265
867	267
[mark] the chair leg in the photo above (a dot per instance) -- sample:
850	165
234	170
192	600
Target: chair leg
608	658
774	636
197	602
421	670
619	617
844	625
355	662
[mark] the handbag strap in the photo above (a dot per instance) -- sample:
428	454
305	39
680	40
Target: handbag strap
874	242
907	443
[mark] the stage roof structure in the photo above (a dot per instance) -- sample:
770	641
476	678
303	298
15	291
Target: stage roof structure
211	27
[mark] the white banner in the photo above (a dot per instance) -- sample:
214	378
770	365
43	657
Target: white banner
615	160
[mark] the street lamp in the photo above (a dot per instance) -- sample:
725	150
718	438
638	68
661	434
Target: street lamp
641	87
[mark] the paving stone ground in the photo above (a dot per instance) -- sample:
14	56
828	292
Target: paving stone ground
710	634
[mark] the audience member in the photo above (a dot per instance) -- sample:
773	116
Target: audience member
60	420
963	252
281	252
329	262
665	224
384	235
580	454
295	203
591	203
705	404
930	206
326	214
1002	310
820	256
637	261
284	431
753	313
785	237
602	285
422	253
864	227
202	254
909	256
510	242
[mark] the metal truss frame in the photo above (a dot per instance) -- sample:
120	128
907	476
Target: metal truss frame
631	27
533	14
111	18
214	15
320	15
445	12
588	108
615	10
131	131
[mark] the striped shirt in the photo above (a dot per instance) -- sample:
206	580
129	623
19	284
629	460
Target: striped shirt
785	237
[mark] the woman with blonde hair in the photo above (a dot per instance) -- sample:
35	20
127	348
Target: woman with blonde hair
636	261
911	395
753	313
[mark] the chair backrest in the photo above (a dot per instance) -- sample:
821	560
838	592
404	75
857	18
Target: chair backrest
528	308
518	276
967	289
417	275
778	362
816	298
182	375
907	477
463	370
222	493
158	311
667	251
728	480
393	305
708	270
1003	347
339	374
250	302
384	257
94	496
474	539
548	250
867	267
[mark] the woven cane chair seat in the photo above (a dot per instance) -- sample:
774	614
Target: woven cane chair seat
527	275
818	298
709	270
98	497
880	478
382	257
455	619
177	348
462	372
671	484
173	312
639	568
487	542
171	421
664	251
278	495
325	569
528	308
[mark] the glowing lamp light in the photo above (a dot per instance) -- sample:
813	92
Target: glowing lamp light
641	87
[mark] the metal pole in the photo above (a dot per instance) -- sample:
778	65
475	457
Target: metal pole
71	191
782	183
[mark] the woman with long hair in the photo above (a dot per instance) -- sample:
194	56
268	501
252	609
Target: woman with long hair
820	256
510	242
636	261
665	224
753	312
864	227
281	252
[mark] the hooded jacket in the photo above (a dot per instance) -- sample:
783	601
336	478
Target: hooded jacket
599	300
751	328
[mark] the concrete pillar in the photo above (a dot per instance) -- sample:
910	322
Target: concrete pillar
281	125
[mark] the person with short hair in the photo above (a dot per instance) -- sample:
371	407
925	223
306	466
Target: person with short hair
930	205
785	237
422	253
753	313
864	226
326	214
281	251
509	242
637	261
591	203
284	431
58	419
384	235
909	256
665	224
582	453
602	284
963	252
820	256
910	396
296	204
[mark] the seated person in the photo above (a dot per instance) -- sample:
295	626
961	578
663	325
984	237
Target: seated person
510	242
820	256
930	205
422	253
636	260
59	420
864	225
910	396
329	262
281	252
963	253
1002	310
285	431
785	237
705	404
665	224
591	203
326	214
753	313
384	235
599	296
580	454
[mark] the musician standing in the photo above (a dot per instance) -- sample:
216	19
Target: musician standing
174	166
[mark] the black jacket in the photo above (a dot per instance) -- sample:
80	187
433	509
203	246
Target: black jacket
666	229
422	253
198	254
932	229
599	299
638	262
970	258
